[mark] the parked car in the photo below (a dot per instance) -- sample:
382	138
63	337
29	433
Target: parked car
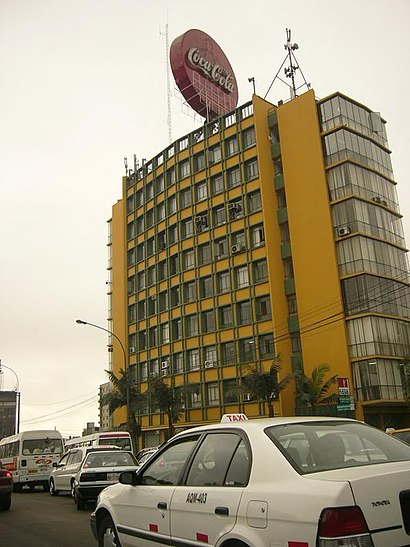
6	488
305	481
64	472
98	470
402	434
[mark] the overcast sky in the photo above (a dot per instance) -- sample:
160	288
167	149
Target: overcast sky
83	84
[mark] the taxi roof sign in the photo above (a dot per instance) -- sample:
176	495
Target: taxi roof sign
233	418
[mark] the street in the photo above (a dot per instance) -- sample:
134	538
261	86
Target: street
36	518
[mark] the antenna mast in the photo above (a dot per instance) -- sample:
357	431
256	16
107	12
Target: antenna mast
169	116
290	70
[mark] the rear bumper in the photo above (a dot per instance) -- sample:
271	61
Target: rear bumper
89	492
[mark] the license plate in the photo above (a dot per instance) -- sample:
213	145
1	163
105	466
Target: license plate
32	471
112	476
43	468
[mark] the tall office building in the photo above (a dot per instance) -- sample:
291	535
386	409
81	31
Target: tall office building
8	413
268	230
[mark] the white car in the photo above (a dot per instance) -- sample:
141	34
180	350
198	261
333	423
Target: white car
272	482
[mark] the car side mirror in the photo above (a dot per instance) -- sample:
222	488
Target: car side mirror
128	477
55	464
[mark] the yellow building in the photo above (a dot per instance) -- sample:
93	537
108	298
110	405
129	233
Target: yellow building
270	230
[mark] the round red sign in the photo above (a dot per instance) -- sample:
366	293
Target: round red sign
203	74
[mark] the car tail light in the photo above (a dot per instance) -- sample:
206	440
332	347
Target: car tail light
343	526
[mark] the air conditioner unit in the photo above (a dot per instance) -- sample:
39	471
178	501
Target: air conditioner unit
164	364
132	349
237	248
377	199
343	231
199	219
209	364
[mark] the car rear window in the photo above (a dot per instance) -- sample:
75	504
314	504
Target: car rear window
320	446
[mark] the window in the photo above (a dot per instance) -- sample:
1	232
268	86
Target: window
173	264
175	296
278	167
231	146
160	211
140	252
152	305
230	391
228	353
172	204
244	312
130	285
257	236
185	197
165	333
194	397
238	238
161	241
178	363
293	305
188	259
131	257
172	234
214	154
235	209
187	227
199	161
266	346
248	137
130	203
159	184
205	253
201	222
208	321
217	184
221	248
254	202
151	276
132	313
130	230
191	325
139	198
150	246
170	176
201	191
176	329
141	310
163	301
251	169
142	340
219	215
225	316
149	191
184	169
212	394
260	271
246	350
242	277
162	270
190	291
220	461
149	218
153	336
168	468
143	371
193	359
210	357
140	225
234	177
223	282
262	308
206	289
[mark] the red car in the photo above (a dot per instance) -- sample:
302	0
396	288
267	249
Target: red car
6	488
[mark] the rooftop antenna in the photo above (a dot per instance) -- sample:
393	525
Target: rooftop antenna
169	116
290	70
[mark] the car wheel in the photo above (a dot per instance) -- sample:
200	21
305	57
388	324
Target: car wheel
72	489
5	503
107	535
79	501
52	488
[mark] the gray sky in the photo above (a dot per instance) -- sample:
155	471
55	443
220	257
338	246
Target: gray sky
83	84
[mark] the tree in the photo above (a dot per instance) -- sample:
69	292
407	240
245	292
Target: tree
117	398
167	398
313	391
265	385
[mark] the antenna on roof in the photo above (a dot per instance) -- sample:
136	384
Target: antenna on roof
290	70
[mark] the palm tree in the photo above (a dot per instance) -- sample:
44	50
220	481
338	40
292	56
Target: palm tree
168	398
313	391
118	398
265	385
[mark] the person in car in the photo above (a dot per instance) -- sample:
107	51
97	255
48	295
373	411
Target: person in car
328	451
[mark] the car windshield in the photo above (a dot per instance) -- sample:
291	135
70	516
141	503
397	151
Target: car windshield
320	446
42	446
109	459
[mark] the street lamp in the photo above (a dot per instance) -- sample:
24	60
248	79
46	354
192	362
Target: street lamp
18	395
127	385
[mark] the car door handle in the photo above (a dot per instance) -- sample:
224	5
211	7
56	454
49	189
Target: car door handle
162	505
222	511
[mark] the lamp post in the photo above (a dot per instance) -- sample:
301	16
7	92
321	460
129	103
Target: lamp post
127	385
18	396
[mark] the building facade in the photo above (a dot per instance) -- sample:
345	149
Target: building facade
8	413
106	421
269	230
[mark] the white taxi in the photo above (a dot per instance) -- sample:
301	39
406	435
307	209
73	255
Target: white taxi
272	482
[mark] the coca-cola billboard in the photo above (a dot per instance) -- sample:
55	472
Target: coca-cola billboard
203	74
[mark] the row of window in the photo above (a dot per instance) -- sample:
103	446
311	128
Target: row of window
340	111
378	379
216	184
191	291
225	354
343	144
197	162
235	208
173	265
199	135
347	179
194	324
